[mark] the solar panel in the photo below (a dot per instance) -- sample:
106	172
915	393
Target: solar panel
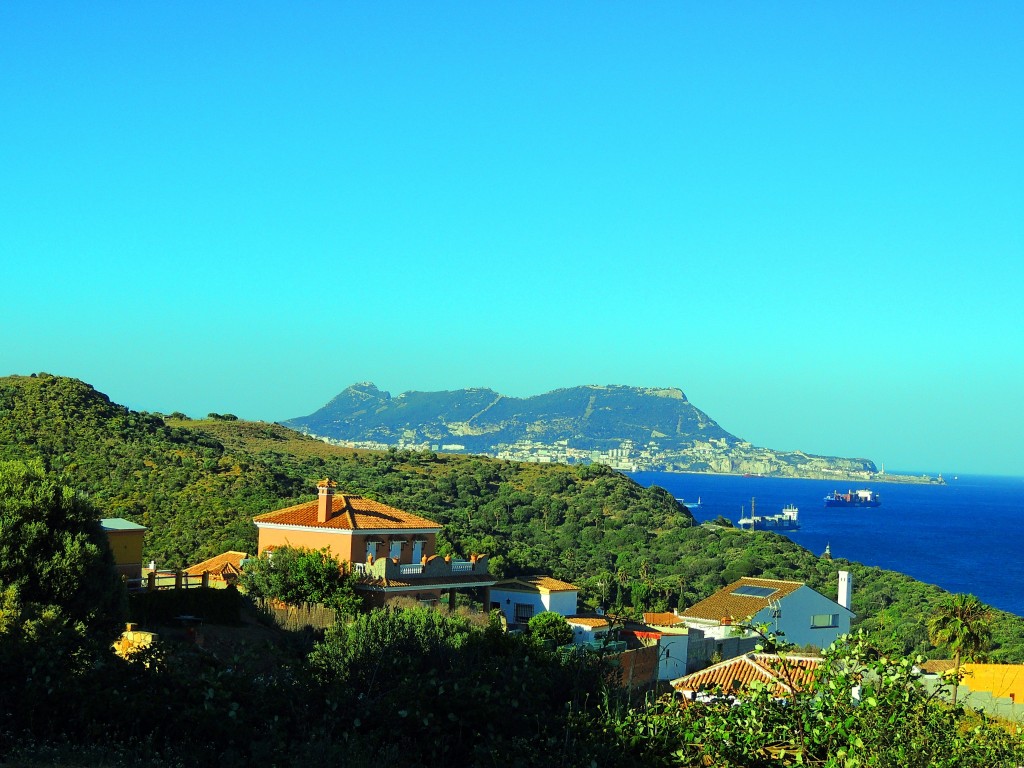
748	591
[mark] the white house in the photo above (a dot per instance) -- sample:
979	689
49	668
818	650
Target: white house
588	629
791	609
522	597
672	635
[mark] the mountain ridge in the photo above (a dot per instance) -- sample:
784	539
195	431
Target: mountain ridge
628	427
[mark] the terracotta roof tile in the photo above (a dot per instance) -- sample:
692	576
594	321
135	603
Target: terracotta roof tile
541	583
726	605
348	512
783	675
662	619
225	564
938	666
594	622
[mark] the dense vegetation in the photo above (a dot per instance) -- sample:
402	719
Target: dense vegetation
196	484
298	576
401	685
412	685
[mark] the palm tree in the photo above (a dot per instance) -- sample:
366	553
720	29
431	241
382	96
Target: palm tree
963	623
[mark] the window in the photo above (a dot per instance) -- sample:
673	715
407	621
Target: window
396	550
823	620
523	613
371	549
417	551
746	590
776	612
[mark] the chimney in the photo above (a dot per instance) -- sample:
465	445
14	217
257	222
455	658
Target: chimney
325	499
846	590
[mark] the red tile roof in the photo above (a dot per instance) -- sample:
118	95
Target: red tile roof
724	604
938	666
225	566
348	512
782	674
594	622
662	619
540	583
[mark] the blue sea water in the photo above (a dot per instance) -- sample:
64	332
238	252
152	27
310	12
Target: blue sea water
965	536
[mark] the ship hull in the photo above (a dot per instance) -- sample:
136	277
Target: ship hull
861	498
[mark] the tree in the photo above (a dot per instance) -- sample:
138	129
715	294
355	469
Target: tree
963	623
552	626
297	576
53	551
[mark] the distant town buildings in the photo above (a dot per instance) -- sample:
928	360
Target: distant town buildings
712	455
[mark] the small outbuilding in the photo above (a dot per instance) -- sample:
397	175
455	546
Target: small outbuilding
125	540
523	596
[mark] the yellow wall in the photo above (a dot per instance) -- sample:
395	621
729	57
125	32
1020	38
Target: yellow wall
340	545
127	549
1002	680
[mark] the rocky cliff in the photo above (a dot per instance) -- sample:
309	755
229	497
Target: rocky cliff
627	427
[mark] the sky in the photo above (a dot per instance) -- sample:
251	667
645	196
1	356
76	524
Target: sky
808	217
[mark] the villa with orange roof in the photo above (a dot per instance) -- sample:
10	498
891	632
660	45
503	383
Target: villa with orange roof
393	551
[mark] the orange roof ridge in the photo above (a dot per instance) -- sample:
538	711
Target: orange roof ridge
731	674
348	512
231	558
347	506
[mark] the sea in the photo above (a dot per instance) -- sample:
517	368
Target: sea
964	536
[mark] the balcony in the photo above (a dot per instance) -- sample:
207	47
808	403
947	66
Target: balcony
436	569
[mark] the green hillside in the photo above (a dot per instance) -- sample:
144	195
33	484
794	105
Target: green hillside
197	484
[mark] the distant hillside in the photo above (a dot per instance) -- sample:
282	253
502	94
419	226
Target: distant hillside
626	427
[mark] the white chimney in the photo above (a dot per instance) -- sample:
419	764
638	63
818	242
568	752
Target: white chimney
846	590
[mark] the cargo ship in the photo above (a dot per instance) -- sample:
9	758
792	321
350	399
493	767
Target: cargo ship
862	498
787	520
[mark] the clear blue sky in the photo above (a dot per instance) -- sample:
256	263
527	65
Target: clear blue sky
809	217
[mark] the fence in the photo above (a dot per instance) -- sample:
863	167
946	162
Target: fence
154	580
297	617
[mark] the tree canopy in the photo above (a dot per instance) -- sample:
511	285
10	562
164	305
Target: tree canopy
548	625
297	576
961	623
53	551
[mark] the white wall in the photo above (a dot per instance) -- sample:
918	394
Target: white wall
672	656
797	610
563	603
582	634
